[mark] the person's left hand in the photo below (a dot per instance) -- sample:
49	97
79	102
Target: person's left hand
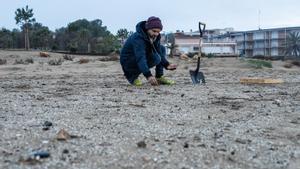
171	67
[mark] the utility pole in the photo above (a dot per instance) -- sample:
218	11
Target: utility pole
259	13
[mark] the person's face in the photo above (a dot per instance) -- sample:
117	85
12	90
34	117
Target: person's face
153	33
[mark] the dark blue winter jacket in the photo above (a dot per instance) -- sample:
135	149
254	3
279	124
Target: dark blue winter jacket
138	55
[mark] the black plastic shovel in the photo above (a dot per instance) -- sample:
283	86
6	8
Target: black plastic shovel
198	77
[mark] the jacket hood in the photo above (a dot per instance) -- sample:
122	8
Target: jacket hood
142	31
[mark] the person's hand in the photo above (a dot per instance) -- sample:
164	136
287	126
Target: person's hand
152	80
171	67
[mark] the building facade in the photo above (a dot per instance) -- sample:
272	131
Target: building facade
188	42
227	42
263	42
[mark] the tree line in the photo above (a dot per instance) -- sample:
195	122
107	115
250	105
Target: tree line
80	36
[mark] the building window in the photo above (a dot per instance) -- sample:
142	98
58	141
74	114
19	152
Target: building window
196	48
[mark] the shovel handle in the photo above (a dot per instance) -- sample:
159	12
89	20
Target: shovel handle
198	64
201	28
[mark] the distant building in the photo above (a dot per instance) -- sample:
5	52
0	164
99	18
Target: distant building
188	42
263	42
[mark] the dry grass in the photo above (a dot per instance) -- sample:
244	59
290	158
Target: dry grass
288	65
24	61
55	62
68	57
296	63
3	61
83	61
109	58
29	60
44	54
292	63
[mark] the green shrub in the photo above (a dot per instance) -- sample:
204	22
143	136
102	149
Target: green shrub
210	55
259	64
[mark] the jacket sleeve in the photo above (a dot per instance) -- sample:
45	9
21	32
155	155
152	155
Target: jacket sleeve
139	49
164	61
163	53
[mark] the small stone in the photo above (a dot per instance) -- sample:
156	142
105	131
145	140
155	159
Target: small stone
46	128
277	102
40	98
45	142
142	144
65	151
235	107
47	125
146	159
241	141
181	137
295	121
202	145
41	154
156	139
230	158
105	144
29	161
218	135
221	150
223	111
186	145
197	138
182	95
228	125
63	135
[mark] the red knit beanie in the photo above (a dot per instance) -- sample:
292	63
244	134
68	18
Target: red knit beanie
153	22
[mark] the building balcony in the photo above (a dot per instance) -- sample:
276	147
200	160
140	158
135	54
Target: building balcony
249	40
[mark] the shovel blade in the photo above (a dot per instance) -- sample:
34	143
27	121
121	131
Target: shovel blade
197	77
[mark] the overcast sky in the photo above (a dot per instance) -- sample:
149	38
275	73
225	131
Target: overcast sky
175	14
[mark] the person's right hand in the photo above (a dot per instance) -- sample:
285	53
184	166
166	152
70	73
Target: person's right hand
152	80
171	67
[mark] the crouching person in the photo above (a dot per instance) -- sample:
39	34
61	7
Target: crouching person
142	51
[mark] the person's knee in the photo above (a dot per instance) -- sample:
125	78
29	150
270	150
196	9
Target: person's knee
131	75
